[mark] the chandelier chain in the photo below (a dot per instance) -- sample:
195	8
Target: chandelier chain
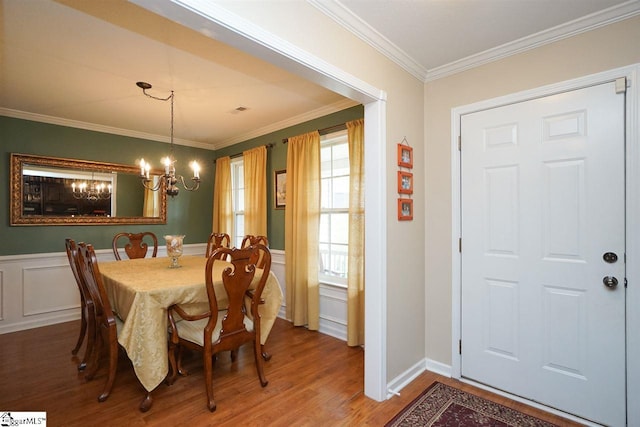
170	178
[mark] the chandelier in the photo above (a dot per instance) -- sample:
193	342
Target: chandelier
170	178
92	191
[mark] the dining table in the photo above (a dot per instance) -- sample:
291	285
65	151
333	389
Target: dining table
140	292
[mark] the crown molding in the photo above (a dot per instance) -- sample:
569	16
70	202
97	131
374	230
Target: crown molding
587	23
42	118
343	16
352	22
292	121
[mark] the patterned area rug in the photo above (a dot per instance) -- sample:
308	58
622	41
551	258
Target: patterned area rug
441	405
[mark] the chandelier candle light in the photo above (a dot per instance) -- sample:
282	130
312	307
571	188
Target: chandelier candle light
170	177
92	192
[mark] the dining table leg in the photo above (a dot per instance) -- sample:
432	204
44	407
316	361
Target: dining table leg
146	403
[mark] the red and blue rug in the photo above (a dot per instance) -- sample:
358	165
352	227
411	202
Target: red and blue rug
441	405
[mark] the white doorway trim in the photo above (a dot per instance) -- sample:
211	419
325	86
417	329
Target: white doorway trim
217	22
632	214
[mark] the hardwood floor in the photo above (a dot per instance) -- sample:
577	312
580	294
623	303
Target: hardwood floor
314	380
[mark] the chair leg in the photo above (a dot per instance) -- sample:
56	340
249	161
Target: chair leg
208	378
83	363
83	331
113	367
93	356
259	363
181	369
90	332
91	340
173	368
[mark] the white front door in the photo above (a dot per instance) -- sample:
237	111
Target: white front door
543	195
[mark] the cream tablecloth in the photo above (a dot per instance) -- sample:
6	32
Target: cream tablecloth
141	290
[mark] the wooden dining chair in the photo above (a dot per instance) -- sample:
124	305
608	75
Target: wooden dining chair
107	323
250	240
215	241
87	318
135	245
263	255
221	330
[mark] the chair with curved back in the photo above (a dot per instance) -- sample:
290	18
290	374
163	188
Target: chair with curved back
223	329
107	323
135	246
87	319
250	240
259	261
215	241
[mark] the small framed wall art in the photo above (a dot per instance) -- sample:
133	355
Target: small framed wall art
405	156
405	209
405	182
280	188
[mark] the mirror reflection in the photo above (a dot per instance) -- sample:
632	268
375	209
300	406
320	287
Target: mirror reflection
49	190
53	191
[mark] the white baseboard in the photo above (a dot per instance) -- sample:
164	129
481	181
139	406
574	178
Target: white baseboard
401	381
438	368
40	322
333	328
398	383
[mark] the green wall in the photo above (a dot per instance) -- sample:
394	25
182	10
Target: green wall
189	213
277	160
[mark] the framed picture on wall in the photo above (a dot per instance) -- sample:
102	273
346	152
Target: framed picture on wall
405	182
280	188
405	156
405	209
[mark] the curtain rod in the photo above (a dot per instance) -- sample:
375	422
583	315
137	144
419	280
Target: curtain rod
325	131
240	154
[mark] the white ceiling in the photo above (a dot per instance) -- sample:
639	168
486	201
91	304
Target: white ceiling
76	62
433	38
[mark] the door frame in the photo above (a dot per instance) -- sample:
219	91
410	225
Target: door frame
227	27
632	198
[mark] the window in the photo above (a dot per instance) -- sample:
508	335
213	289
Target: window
334	208
237	200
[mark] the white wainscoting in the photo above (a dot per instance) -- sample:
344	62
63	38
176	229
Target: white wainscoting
39	289
333	311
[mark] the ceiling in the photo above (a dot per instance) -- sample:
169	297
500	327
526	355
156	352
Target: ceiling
76	62
434	38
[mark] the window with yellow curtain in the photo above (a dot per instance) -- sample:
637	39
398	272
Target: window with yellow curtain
341	237
334	208
237	201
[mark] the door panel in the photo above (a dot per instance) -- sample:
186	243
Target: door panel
542	201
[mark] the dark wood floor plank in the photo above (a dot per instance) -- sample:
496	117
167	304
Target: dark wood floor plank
314	380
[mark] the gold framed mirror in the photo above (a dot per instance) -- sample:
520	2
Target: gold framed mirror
58	191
